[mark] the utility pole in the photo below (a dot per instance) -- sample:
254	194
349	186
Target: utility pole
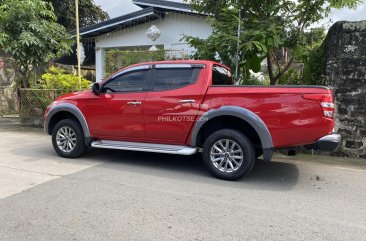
78	40
238	47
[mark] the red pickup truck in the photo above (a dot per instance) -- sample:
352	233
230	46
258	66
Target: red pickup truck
182	107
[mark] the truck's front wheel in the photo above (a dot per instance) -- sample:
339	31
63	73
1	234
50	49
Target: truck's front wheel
68	139
228	154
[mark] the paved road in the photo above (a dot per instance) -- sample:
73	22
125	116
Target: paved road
115	195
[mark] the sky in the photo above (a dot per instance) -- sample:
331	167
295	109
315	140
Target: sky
117	8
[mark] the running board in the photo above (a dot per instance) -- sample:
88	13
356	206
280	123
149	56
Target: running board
146	147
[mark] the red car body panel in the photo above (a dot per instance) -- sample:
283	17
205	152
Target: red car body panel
167	120
291	119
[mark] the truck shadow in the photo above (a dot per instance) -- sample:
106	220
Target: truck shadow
276	175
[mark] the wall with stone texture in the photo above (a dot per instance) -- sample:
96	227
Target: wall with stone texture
346	72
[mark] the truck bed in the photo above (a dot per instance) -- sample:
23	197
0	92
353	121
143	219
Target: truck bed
291	119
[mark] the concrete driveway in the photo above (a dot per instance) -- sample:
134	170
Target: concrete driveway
120	195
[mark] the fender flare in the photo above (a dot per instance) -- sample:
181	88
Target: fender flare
67	107
250	117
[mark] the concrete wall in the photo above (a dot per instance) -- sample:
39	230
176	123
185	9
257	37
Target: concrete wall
346	70
173	26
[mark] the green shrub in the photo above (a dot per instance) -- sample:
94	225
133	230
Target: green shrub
52	84
116	58
252	80
314	67
59	79
291	77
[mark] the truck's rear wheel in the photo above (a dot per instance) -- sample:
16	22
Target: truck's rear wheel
228	154
68	139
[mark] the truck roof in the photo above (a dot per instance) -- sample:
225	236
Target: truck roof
204	62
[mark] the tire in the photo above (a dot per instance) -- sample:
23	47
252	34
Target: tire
241	157
68	139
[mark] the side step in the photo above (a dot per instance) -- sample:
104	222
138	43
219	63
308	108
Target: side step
146	147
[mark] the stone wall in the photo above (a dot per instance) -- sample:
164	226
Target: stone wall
346	72
9	105
7	71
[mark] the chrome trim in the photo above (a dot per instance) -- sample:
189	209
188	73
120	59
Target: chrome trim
328	143
332	138
140	67
134	103
173	66
178	66
145	147
187	101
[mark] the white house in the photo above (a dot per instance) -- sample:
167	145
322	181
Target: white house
173	19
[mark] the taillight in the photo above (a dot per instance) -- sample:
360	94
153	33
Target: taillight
325	101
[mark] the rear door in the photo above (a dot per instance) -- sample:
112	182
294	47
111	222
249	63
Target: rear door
172	105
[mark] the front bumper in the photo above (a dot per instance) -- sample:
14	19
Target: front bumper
329	143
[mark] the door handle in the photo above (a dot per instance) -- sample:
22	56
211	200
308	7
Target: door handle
134	103
187	101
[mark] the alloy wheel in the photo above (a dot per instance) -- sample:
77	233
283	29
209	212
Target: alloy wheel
226	155
66	139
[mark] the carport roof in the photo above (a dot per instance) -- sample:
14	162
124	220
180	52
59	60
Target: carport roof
166	5
152	10
110	25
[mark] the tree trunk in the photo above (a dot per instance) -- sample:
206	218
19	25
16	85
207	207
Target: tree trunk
284	70
24	81
272	78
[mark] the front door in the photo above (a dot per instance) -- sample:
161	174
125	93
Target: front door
118	112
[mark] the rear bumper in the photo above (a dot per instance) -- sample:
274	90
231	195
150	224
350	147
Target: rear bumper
329	142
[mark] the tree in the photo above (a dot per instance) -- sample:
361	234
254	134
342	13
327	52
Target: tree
312	54
30	34
268	26
89	13
307	42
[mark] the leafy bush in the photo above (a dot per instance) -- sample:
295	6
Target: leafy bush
59	79
116	58
51	85
291	77
253	81
314	67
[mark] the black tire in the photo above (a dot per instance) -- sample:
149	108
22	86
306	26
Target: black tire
247	154
79	147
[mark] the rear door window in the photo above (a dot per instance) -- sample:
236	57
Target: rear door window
174	78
